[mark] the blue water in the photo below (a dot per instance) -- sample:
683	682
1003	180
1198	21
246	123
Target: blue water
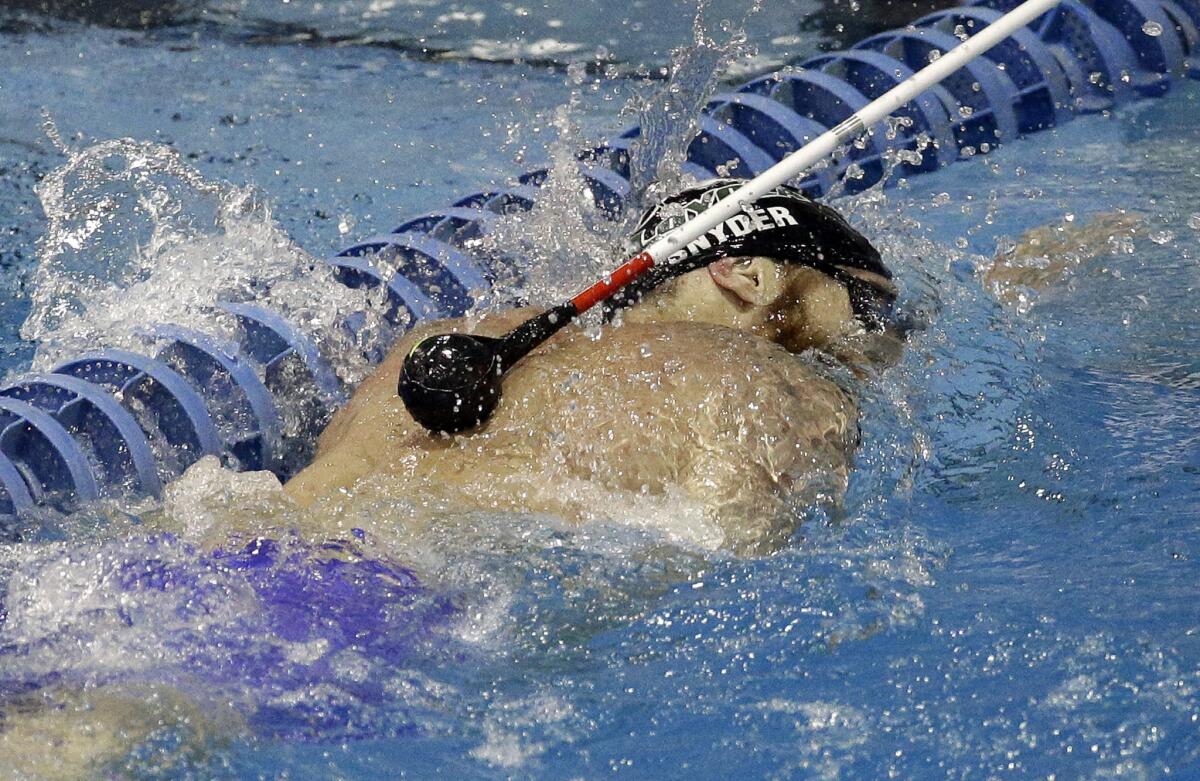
1009	591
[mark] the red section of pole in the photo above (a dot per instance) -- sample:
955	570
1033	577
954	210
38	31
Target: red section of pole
631	270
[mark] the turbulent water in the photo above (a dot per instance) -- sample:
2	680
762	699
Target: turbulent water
1008	590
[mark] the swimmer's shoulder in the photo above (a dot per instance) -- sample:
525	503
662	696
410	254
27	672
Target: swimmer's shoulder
694	358
377	393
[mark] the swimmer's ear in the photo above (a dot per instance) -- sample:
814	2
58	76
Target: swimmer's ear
750	279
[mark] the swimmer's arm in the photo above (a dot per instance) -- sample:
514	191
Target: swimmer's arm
60	734
741	497
756	459
1044	256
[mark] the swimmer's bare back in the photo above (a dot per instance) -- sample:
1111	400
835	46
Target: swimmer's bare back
713	416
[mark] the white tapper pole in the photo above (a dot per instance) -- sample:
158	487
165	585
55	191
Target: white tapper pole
825	144
452	382
816	150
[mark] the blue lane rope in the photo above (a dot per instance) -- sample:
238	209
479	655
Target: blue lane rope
116	446
165	404
119	423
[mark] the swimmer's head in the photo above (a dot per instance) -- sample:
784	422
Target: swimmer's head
786	267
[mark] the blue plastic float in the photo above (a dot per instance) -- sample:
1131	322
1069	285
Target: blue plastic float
115	423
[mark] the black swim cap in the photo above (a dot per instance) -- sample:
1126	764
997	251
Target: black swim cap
784	225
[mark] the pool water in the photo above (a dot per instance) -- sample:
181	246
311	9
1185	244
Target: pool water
1008	591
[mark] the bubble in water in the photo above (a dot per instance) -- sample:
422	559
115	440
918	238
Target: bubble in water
1162	237
1194	221
1153	29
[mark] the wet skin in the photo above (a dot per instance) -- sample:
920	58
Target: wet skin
695	398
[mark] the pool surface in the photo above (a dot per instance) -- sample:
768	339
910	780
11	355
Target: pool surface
1010	590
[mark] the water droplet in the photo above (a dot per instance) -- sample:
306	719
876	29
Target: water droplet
1153	29
961	242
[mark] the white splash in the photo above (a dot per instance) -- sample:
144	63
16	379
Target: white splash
136	237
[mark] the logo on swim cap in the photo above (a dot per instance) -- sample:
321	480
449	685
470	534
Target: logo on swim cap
784	225
654	223
758	217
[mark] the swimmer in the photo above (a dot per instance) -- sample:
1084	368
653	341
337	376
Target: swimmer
690	408
693	416
694	394
694	407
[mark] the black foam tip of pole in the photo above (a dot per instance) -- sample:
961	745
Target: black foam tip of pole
451	382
